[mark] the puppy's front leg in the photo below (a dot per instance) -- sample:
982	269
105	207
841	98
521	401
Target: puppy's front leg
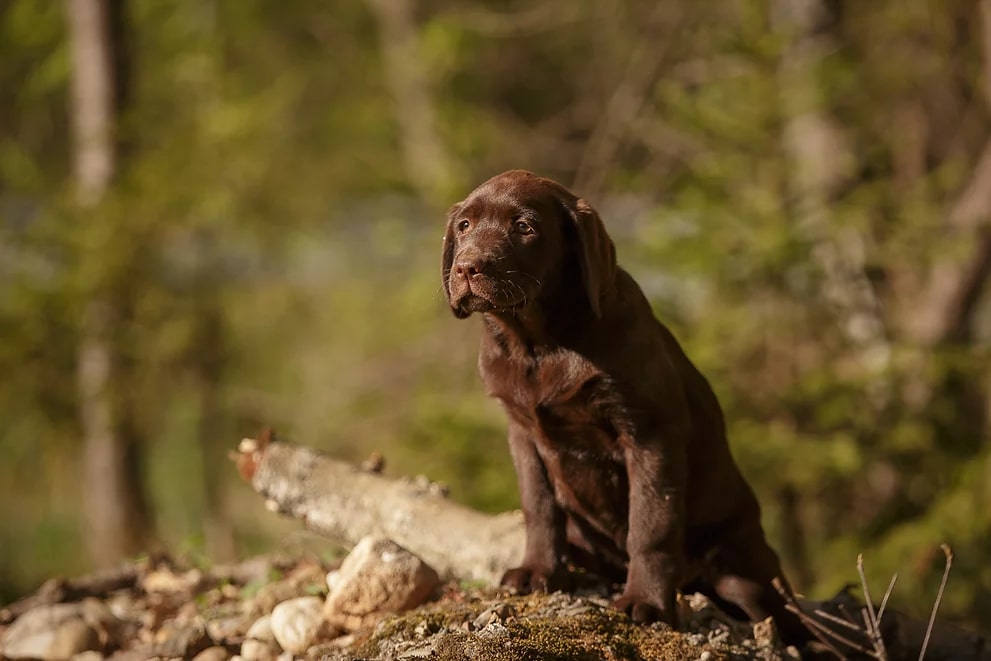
656	468
542	568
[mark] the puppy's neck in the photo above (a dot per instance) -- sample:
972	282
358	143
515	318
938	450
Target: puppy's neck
521	329
553	321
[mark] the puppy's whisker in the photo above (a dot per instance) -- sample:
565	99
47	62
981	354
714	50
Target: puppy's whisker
531	276
522	291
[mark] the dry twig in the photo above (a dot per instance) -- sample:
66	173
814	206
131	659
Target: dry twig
823	633
948	552
887	593
871	618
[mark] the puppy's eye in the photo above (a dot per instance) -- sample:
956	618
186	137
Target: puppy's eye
523	227
464	225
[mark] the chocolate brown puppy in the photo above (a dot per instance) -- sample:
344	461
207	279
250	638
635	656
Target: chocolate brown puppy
618	441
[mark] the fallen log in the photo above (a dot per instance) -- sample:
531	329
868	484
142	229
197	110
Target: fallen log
345	503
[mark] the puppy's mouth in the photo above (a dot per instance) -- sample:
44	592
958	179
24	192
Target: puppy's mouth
484	293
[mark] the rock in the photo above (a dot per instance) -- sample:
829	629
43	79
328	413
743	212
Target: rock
138	653
500	612
215	653
87	656
180	639
377	577
166	581
58	631
494	630
343	641
259	643
296	623
424	651
766	633
297	584
227	629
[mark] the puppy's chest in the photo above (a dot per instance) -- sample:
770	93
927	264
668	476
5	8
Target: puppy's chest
560	395
531	381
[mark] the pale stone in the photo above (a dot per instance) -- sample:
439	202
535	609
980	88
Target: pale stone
57	631
296	623
90	655
215	653
259	642
378	577
166	581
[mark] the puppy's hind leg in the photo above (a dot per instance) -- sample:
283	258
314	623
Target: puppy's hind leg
742	572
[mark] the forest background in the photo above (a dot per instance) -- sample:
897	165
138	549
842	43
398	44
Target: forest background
219	214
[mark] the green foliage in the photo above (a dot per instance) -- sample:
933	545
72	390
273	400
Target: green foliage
277	267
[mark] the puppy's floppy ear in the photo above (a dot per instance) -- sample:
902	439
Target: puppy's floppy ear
596	253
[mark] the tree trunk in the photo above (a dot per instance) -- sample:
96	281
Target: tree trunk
209	362
116	516
938	307
943	309
427	161
821	161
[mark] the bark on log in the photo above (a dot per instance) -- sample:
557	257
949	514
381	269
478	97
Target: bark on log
345	503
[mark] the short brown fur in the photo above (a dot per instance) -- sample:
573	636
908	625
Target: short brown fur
618	441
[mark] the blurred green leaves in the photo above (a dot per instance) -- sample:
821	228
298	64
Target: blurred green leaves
282	270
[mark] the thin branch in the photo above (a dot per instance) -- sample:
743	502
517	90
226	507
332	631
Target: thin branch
826	615
822	633
867	592
875	633
870	616
613	126
884	599
948	552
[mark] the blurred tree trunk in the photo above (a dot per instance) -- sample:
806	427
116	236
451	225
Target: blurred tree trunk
938	303
427	162
116	512
942	308
821	162
209	361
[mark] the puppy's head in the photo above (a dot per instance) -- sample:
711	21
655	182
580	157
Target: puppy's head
507	244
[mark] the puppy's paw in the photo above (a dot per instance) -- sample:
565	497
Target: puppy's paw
526	580
642	611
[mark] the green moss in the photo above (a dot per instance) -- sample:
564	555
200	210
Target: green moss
541	628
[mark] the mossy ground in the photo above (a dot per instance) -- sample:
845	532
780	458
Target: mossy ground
486	624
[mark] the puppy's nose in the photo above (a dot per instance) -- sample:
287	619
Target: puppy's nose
467	270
